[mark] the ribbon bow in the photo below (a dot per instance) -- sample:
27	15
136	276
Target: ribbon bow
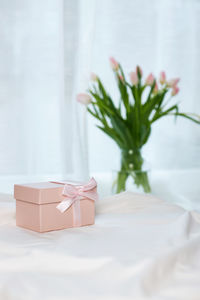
74	193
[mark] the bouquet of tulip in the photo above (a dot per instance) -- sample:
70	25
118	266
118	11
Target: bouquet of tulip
129	121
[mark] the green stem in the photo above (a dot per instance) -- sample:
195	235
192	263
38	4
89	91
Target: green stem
132	166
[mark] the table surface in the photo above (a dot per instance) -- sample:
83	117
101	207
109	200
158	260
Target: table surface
140	247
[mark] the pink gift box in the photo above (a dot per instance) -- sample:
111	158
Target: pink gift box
38	206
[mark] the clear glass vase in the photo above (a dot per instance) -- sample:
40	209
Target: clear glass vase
133	174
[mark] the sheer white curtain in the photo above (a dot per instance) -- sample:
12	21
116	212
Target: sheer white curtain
47	51
158	35
43	55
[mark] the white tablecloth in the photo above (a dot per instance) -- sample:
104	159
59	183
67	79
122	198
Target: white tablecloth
140	248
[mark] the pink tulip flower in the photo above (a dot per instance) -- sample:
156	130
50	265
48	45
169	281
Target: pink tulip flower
93	77
173	82
149	79
175	90
84	99
134	78
162	77
155	88
114	64
121	78
139	69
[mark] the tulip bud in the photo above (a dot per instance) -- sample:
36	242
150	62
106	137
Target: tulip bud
155	88
149	79
173	82
175	90
121	78
114	64
93	77
134	78
84	99
162	77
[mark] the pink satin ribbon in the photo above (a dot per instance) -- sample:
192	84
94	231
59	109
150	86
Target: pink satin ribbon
73	195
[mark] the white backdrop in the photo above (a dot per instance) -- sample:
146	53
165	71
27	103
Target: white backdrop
47	51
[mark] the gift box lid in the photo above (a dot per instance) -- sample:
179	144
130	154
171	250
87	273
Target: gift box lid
39	193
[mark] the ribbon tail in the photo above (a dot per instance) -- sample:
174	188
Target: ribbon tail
77	213
64	205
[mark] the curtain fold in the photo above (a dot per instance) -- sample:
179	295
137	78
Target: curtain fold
45	54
